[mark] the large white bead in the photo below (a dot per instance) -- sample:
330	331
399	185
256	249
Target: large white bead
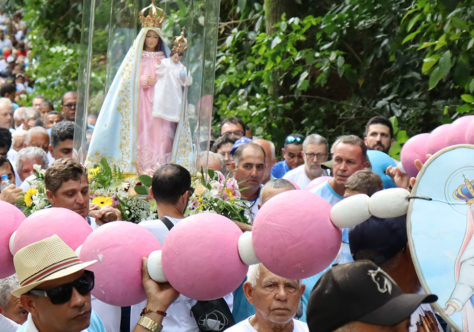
246	250
351	211
10	243
389	203
155	266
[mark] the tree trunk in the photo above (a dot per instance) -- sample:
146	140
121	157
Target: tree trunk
273	11
275	8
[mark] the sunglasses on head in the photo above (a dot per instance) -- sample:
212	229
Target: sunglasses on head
63	293
293	139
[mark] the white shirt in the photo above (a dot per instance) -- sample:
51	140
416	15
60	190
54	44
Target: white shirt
25	185
7	325
298	176
109	314
5	43
245	326
179	317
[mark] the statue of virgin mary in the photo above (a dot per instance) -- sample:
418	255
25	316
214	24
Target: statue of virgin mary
127	134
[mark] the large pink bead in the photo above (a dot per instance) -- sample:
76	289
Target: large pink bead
201	259
119	247
293	235
11	217
67	224
414	148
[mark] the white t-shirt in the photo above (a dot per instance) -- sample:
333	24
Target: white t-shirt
298	176
245	326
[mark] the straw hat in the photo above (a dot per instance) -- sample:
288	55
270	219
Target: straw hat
45	260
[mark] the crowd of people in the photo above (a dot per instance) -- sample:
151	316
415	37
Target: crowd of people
265	302
383	292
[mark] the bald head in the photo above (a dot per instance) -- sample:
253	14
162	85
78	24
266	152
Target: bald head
270	159
275	187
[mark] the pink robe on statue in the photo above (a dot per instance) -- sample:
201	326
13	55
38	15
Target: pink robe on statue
155	135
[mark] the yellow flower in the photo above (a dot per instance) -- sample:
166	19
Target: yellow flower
103	201
199	190
29	196
92	173
229	193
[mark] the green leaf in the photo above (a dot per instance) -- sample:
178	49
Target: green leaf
411	36
435	77
466	108
467	98
413	21
429	62
302	79
340	66
460	24
441	42
276	41
241	4
425	45
469	45
146	180
141	190
402	136
441	70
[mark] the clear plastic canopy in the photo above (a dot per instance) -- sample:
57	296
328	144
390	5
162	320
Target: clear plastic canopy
110	29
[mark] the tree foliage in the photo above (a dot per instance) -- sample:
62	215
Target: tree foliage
340	67
334	65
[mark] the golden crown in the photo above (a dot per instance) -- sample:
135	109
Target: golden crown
180	44
155	16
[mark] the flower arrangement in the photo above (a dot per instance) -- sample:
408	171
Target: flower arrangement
109	186
213	192
35	198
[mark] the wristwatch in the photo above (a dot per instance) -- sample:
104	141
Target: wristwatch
149	324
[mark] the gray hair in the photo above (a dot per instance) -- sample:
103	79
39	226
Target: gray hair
5	102
31	113
279	184
7	285
19	133
315	139
61	131
352	140
254	273
206	156
34	130
31	152
18	114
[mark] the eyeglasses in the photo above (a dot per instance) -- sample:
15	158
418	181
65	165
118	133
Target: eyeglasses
317	155
63	293
293	139
238	133
70	105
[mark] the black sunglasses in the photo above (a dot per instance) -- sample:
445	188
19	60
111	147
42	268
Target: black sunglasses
293	139
63	293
